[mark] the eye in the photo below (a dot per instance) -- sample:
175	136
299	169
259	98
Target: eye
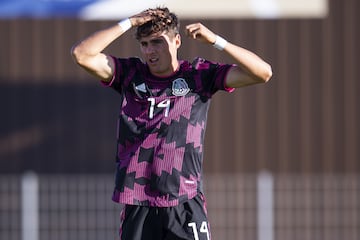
158	41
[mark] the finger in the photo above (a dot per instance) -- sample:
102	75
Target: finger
141	19
192	25
192	31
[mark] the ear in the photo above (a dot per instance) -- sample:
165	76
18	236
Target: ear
178	40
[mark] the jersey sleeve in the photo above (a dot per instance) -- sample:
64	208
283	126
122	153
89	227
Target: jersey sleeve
212	75
123	69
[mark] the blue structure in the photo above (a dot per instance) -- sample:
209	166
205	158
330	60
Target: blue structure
42	8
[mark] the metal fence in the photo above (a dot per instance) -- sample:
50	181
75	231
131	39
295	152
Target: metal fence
241	206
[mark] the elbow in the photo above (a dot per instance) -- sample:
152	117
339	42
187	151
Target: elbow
267	74
77	54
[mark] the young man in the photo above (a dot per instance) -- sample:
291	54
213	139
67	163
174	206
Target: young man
164	104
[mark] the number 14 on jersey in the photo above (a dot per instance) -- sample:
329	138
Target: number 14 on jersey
163	104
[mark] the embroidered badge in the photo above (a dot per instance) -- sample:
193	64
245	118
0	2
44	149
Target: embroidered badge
180	87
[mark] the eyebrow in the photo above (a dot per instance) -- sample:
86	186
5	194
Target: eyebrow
154	40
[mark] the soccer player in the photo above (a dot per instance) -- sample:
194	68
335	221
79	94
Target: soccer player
163	113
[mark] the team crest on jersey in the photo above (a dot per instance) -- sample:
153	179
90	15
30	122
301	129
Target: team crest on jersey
180	87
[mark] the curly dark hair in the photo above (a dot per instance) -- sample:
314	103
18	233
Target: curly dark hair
163	21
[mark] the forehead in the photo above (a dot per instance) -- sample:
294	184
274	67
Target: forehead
154	36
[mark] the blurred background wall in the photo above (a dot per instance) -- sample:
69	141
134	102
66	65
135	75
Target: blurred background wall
301	128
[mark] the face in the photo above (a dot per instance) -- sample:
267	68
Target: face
160	53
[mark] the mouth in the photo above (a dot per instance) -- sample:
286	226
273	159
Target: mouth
153	60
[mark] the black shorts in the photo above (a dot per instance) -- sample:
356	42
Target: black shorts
187	221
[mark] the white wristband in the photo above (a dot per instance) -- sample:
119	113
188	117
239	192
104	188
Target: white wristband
220	43
125	24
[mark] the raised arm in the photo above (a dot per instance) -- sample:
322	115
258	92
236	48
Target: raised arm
88	53
250	69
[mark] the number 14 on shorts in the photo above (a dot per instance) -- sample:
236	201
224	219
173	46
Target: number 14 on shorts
203	230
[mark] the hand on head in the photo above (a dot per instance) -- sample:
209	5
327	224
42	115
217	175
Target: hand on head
199	32
143	17
163	17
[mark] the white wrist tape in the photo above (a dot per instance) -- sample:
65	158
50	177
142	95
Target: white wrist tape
125	24
220	43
